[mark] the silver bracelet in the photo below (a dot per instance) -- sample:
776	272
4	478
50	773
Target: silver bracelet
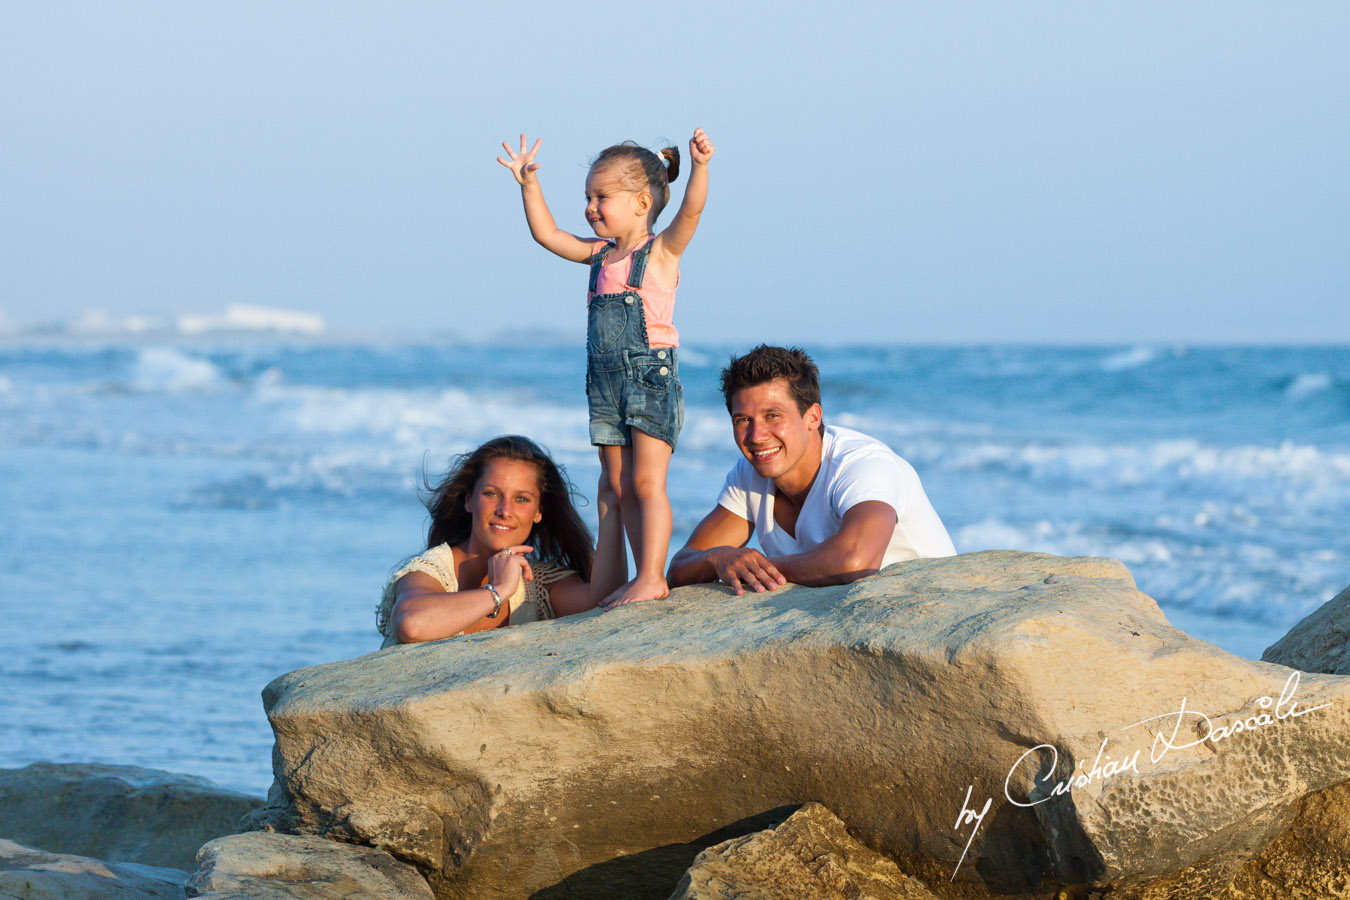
496	601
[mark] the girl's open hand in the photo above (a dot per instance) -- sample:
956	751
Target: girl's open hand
700	148
522	164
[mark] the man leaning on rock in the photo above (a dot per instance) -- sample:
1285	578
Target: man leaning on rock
828	505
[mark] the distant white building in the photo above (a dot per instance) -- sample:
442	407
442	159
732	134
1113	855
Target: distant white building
241	317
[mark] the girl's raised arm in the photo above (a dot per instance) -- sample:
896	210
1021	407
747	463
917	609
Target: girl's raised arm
542	227
681	229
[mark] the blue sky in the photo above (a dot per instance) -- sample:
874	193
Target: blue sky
1106	172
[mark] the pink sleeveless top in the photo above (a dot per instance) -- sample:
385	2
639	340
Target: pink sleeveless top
658	298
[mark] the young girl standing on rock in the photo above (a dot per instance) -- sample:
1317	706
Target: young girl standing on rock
632	375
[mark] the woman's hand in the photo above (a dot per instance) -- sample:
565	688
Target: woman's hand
701	149
506	567
522	164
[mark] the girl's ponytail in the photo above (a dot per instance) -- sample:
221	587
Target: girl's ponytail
672	157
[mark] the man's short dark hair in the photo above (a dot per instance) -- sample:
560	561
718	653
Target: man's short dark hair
765	363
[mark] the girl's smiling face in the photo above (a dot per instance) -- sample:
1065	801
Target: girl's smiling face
613	207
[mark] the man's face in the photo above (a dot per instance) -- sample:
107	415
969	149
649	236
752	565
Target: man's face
772	434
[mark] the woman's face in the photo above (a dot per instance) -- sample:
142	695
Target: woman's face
504	505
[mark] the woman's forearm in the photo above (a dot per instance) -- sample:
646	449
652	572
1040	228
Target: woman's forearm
432	616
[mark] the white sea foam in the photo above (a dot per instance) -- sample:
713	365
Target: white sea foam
170	369
1229	579
1061	537
691	357
1129	359
1307	384
1134	463
707	430
447	420
993	534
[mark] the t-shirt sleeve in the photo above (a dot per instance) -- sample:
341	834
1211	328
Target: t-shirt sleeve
872	476
735	496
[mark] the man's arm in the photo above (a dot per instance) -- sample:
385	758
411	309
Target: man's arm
855	552
716	550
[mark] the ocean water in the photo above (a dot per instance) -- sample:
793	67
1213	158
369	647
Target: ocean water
183	520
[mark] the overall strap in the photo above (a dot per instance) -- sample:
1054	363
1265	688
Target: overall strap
639	267
596	262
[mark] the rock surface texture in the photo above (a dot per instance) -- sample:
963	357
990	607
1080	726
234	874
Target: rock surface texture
260	866
29	874
809	857
1319	643
595	755
1310	861
117	813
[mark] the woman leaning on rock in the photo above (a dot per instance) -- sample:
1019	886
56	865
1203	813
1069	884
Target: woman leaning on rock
505	547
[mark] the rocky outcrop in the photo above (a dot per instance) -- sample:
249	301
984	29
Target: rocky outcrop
1039	710
29	874
255	866
1310	861
809	857
1320	642
117	813
261	866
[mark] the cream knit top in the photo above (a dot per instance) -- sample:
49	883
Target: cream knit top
529	603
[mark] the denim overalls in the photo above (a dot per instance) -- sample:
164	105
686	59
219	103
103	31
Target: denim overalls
629	384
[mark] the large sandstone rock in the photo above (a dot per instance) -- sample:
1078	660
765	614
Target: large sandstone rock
28	874
261	866
1320	642
568	758
809	857
117	813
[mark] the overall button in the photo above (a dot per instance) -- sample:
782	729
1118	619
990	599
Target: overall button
628	300
665	371
661	354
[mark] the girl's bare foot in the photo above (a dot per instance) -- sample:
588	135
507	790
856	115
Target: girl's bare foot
643	587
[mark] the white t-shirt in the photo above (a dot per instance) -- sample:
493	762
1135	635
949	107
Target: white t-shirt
853	468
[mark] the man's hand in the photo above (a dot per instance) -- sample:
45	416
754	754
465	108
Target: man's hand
742	565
